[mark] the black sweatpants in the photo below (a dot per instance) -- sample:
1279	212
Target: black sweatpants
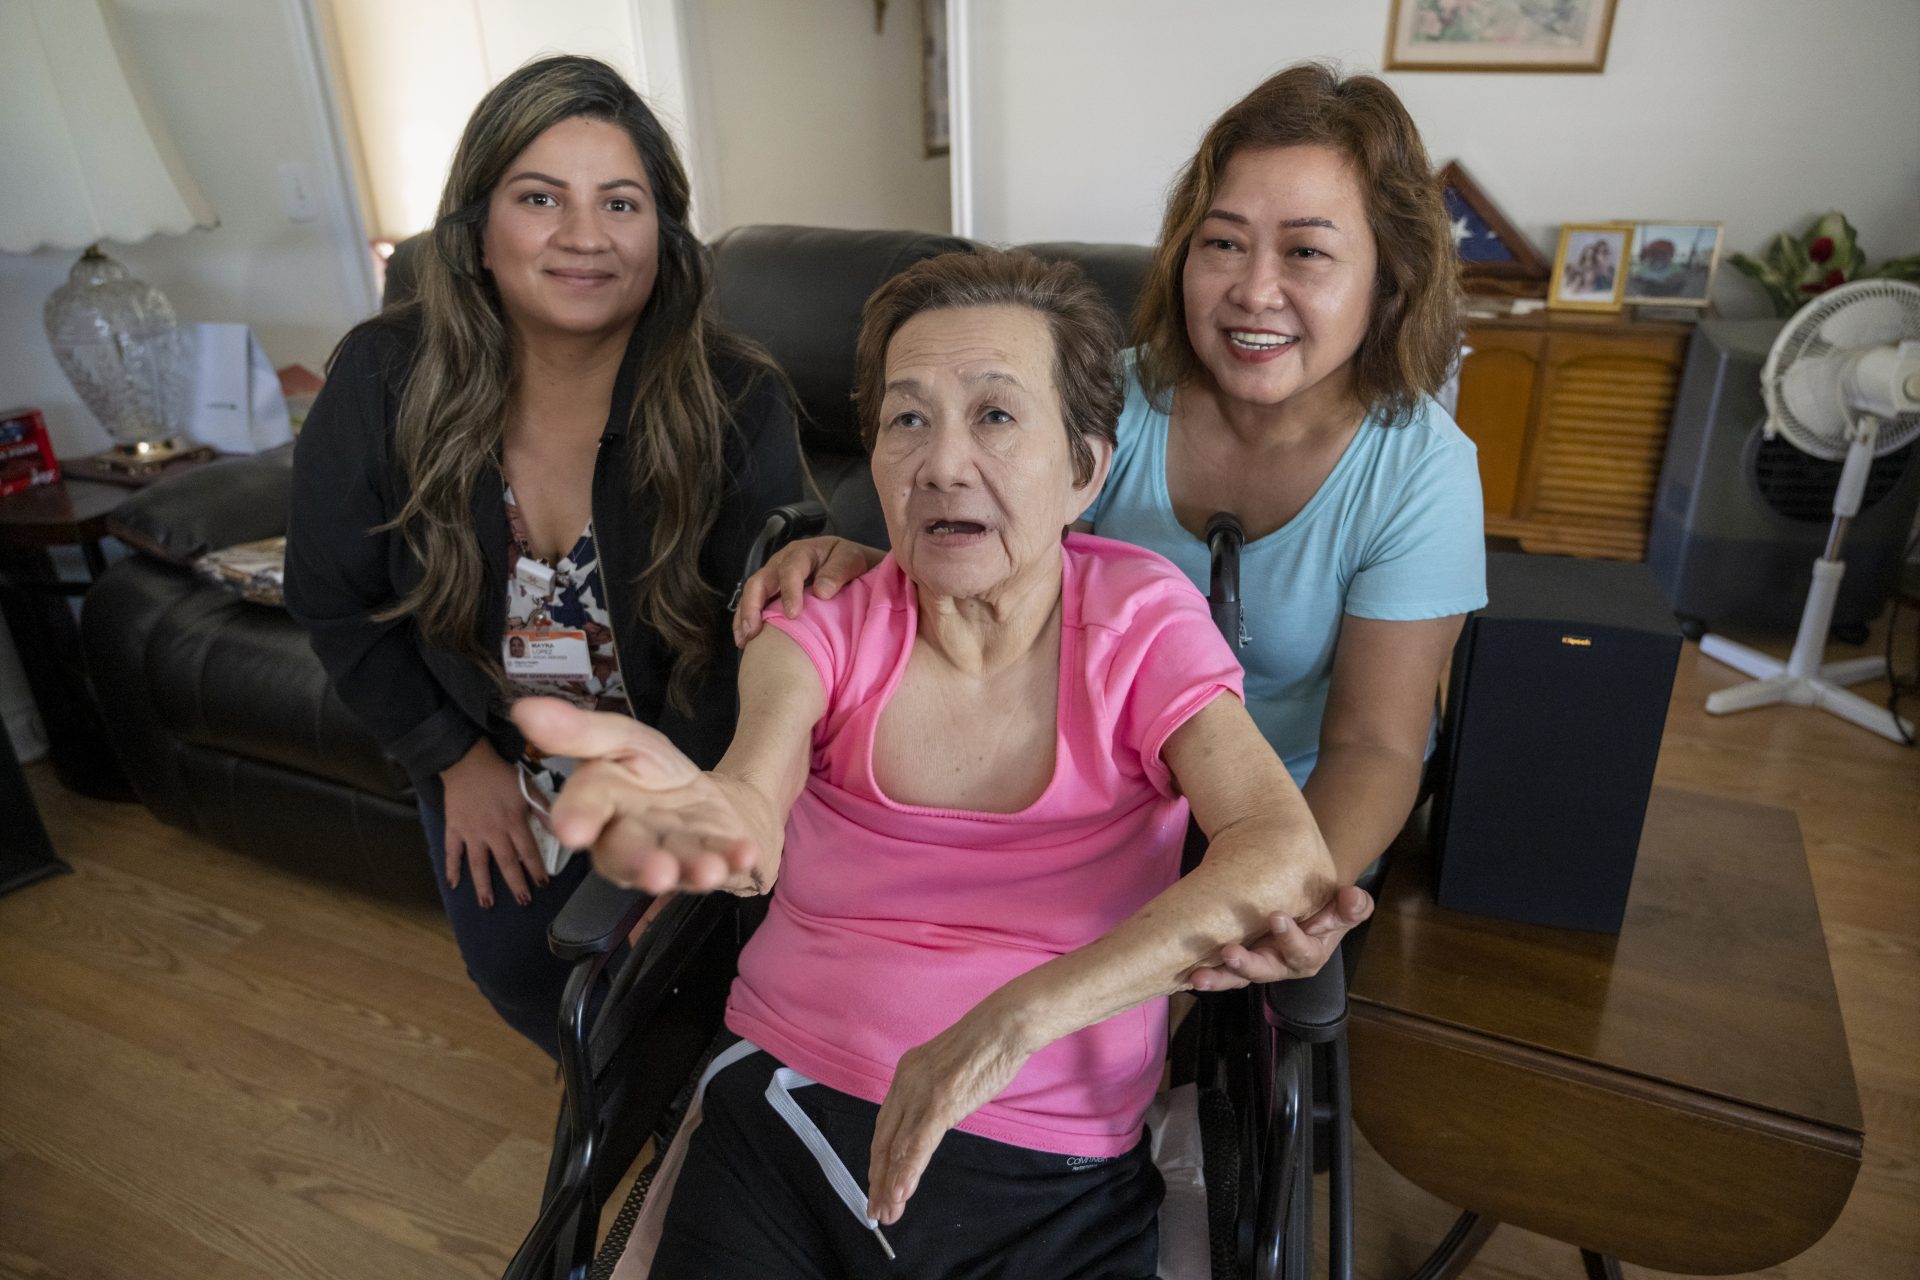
752	1200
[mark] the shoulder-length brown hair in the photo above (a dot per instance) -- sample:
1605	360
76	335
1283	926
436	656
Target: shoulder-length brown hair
1413	332
452	413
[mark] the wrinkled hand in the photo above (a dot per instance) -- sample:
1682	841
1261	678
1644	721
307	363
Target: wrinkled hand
1291	949
486	826
827	563
651	818
935	1087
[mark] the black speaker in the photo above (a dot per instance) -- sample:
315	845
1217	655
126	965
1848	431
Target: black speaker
1554	714
1738	519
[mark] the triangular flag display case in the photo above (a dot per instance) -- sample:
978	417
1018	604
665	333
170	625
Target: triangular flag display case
1494	256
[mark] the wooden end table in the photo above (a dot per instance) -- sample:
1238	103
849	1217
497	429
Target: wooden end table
1680	1097
33	598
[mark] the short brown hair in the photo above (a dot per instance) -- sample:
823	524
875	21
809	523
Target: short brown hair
1086	336
1413	331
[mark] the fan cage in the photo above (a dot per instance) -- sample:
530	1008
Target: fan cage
1806	338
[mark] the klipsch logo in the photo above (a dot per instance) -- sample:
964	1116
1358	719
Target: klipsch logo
1578	642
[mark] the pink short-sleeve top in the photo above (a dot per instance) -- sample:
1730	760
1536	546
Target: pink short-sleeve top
890	921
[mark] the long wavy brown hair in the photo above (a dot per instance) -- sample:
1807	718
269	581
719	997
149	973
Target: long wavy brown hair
1413	329
453	411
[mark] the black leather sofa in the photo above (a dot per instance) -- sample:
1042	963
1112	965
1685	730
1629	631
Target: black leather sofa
221	715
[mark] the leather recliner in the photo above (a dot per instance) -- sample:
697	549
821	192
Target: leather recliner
221	715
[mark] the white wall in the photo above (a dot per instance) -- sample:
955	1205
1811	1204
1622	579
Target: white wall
809	116
1755	113
231	79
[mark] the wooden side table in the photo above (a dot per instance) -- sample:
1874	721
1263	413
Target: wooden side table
1680	1097
33	599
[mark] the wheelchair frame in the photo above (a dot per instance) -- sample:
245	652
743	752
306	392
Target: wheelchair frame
626	1056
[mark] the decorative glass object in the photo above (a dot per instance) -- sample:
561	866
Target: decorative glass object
117	340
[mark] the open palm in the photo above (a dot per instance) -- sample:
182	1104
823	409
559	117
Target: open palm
651	818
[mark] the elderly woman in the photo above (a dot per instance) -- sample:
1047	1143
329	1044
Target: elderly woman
969	774
1301	308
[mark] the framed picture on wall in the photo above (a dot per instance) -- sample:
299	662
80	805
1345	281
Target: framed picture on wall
934	109
1673	263
1499	35
1590	268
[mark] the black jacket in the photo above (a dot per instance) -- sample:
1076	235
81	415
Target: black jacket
428	706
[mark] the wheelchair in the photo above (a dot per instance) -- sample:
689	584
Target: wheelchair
1268	1063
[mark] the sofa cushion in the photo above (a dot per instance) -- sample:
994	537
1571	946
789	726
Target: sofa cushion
176	660
798	292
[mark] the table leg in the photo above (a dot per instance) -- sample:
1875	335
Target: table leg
1599	1266
48	640
1466	1238
26	855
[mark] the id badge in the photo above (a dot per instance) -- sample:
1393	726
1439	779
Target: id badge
552	653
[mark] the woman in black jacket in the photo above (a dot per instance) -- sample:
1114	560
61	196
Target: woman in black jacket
538	476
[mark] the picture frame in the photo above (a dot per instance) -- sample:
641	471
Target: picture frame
1673	263
1590	267
1499	35
1491	248
935	109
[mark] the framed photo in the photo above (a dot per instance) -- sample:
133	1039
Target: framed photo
934	110
1590	269
1673	263
1499	35
1490	248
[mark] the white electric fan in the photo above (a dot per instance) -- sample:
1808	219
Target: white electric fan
1842	381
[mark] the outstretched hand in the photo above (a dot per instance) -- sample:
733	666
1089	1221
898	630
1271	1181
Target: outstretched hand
1291	948
826	564
651	818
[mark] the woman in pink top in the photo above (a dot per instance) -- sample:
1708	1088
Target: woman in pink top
970	775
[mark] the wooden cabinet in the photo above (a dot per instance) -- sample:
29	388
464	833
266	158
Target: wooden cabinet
1570	417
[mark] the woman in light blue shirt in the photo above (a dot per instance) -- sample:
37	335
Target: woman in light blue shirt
1301	309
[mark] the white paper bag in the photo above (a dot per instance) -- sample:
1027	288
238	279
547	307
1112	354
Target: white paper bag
234	401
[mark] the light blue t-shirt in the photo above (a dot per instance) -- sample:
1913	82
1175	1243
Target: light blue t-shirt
1394	533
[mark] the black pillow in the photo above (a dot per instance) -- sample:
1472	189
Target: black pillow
183	517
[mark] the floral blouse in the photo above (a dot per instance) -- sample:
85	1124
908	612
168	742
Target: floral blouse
578	603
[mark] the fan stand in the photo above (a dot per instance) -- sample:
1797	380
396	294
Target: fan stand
1803	679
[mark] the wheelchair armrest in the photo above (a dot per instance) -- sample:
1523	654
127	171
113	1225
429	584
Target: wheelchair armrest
803	519
1310	1009
596	919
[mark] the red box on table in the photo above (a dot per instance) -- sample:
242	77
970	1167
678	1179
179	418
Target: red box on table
26	452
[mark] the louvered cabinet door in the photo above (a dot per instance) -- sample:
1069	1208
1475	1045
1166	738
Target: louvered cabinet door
1599	433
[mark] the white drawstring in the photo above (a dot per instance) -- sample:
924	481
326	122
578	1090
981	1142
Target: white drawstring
779	1095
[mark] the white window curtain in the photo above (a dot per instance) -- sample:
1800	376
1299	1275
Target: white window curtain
414	69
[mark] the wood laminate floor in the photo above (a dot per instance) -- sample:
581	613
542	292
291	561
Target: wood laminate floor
213	1067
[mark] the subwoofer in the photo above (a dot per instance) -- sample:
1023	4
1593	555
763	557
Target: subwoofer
1555	708
1739	519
